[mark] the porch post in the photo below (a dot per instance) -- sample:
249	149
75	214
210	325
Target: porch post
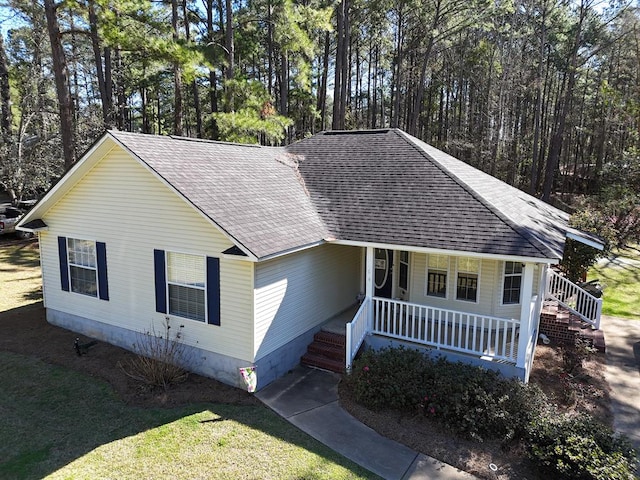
526	313
369	286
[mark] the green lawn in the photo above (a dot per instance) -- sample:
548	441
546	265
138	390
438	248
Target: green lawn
57	423
620	276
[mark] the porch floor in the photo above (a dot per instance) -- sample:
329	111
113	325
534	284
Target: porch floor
337	324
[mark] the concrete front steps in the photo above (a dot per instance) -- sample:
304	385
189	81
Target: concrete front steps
327	351
562	326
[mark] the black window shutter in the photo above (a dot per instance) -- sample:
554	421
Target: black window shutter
213	291
161	281
64	265
103	282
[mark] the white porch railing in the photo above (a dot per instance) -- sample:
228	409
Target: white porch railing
356	330
576	299
479	335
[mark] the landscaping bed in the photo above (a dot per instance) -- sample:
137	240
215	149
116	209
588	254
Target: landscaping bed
583	391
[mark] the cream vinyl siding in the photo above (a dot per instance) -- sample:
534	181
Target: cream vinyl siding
489	288
121	203
297	292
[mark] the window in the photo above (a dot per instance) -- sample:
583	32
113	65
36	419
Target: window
83	267
188	286
467	281
512	283
437	272
403	281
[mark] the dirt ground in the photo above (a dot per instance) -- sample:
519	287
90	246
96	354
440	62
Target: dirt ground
24	330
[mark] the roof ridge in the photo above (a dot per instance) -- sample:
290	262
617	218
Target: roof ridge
116	132
537	244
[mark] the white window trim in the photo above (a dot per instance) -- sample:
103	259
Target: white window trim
504	275
71	264
408	264
458	272
195	287
447	282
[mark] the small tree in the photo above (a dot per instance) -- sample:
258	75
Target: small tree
578	257
254	120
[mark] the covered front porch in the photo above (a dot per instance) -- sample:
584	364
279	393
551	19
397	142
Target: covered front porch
487	332
406	314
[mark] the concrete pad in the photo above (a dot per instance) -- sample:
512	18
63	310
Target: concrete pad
301	390
428	468
341	432
308	398
623	374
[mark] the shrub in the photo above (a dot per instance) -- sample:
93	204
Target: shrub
579	448
159	358
388	378
472	401
573	356
480	403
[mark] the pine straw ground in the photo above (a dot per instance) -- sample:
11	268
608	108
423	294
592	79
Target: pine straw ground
24	330
585	391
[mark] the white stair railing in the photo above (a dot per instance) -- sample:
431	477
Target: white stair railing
574	298
356	330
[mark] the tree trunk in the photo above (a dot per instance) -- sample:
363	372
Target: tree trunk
194	84
397	74
284	87
213	94
322	92
558	137
229	43
5	96
61	77
537	119
108	82
340	64
95	43
177	75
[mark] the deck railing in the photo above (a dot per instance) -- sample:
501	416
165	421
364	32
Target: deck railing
356	330
481	335
576	299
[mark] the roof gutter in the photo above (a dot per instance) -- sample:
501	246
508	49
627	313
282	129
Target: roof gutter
586	239
453	253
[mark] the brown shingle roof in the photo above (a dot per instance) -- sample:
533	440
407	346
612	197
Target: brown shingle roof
385	186
380	186
252	193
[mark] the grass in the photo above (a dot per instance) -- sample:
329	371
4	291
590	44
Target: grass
620	276
63	424
59	423
20	279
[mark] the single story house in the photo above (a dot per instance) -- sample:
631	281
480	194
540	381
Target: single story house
251	249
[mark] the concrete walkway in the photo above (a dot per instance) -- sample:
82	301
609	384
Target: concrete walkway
623	374
308	398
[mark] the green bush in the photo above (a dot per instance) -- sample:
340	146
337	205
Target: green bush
389	378
579	448
481	404
472	401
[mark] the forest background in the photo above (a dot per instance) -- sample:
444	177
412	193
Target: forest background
543	94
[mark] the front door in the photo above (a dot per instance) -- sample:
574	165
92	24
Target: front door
382	278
